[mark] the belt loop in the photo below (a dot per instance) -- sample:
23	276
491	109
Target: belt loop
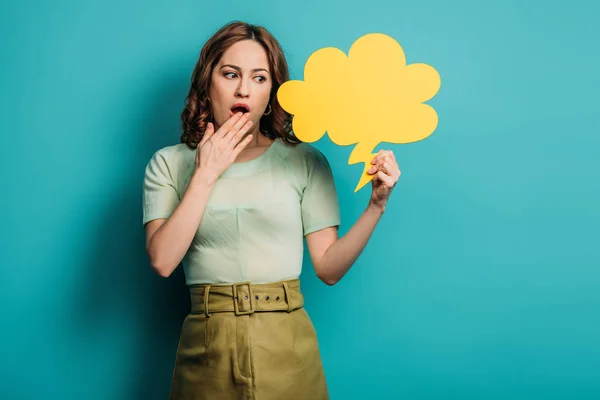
206	291
288	297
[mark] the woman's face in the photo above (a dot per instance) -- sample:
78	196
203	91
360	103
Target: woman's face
241	81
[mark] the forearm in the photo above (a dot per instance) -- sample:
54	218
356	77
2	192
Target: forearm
342	254
171	241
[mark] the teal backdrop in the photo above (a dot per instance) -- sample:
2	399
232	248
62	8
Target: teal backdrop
480	282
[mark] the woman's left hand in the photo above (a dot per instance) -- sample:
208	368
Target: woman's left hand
386	174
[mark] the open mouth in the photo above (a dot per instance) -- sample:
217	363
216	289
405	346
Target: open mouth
243	108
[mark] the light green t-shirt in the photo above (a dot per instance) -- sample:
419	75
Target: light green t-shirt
257	215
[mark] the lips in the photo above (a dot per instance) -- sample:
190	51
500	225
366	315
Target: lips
240	107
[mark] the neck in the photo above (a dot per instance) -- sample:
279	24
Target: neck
256	136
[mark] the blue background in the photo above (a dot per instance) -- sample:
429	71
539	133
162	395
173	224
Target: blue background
480	282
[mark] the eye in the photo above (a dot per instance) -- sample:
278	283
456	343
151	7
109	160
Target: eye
230	75
261	79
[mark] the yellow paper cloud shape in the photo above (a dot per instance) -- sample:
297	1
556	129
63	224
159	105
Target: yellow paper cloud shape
370	96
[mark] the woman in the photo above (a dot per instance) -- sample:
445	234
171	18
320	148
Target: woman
232	202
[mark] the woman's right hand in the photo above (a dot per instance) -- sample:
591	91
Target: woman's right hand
218	150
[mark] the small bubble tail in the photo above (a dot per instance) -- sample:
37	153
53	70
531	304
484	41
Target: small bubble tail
362	153
365	177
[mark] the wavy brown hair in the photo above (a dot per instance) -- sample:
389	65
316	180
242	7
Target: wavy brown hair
197	112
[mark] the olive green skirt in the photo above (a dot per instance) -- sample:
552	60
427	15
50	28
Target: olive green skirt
248	341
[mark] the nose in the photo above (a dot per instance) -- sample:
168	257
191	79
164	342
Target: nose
242	89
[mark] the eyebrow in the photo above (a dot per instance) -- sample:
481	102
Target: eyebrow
240	70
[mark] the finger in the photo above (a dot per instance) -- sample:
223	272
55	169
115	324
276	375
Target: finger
396	174
392	170
392	156
238	135
380	155
385	179
388	155
374	168
241	145
236	127
387	168
377	157
393	163
210	130
390	182
227	125
375	180
387	158
391	166
391	176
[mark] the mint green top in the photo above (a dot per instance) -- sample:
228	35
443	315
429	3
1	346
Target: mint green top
257	214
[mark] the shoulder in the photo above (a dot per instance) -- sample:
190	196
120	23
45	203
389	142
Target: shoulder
171	160
173	155
173	152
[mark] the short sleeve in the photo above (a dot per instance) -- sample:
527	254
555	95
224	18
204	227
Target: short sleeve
319	204
160	197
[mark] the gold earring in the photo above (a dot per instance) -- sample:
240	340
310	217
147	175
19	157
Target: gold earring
270	109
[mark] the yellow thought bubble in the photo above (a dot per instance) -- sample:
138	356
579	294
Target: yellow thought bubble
365	98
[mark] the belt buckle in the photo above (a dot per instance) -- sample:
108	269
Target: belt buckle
235	298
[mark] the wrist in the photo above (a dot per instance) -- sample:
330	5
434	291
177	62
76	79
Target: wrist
203	178
376	207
